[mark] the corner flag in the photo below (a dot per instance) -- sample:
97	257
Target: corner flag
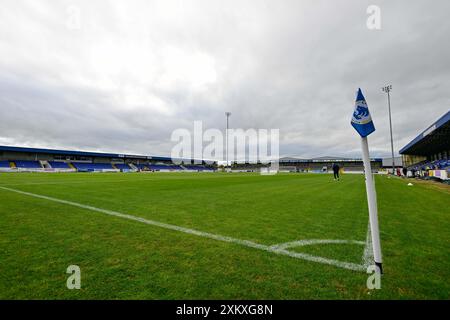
362	122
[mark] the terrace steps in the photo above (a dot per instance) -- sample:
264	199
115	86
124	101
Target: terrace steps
45	164
132	166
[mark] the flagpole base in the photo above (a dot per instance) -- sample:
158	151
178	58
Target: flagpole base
379	266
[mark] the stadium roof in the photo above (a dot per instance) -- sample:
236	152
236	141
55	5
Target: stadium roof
82	153
434	139
330	158
288	159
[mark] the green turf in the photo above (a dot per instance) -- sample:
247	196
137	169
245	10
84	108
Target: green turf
122	259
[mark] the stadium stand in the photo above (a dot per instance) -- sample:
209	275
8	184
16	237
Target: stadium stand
122	166
53	160
28	164
428	155
4	164
95	161
323	164
59	165
197	168
141	166
159	167
83	166
443	164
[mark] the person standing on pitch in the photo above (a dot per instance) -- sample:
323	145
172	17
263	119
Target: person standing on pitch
336	171
405	172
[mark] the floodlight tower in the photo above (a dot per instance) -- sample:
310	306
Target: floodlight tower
388	89
227	114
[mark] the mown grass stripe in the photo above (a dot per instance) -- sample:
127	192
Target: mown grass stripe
246	243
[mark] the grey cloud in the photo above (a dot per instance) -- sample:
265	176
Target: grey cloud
292	65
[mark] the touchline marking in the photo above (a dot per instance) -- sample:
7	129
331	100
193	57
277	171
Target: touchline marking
279	249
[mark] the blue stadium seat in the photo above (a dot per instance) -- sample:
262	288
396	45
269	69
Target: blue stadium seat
28	164
198	168
58	165
432	165
158	167
141	166
83	166
122	166
4	164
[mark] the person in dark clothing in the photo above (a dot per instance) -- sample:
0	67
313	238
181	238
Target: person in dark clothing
405	171
336	171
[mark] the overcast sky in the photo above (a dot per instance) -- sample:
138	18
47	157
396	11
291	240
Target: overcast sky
122	75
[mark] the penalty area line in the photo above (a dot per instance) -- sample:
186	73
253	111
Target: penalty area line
246	243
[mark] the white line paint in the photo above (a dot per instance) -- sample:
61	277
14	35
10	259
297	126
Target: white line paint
277	249
368	258
301	243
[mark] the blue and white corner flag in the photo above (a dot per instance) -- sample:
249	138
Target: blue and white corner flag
361	120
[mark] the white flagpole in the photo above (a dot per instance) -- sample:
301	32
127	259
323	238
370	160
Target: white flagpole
372	203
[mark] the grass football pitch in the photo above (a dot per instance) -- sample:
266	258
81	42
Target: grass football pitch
218	236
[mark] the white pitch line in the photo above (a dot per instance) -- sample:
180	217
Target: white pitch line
245	243
301	243
368	258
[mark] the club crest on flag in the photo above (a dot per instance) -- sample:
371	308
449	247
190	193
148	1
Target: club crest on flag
361	119
361	114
